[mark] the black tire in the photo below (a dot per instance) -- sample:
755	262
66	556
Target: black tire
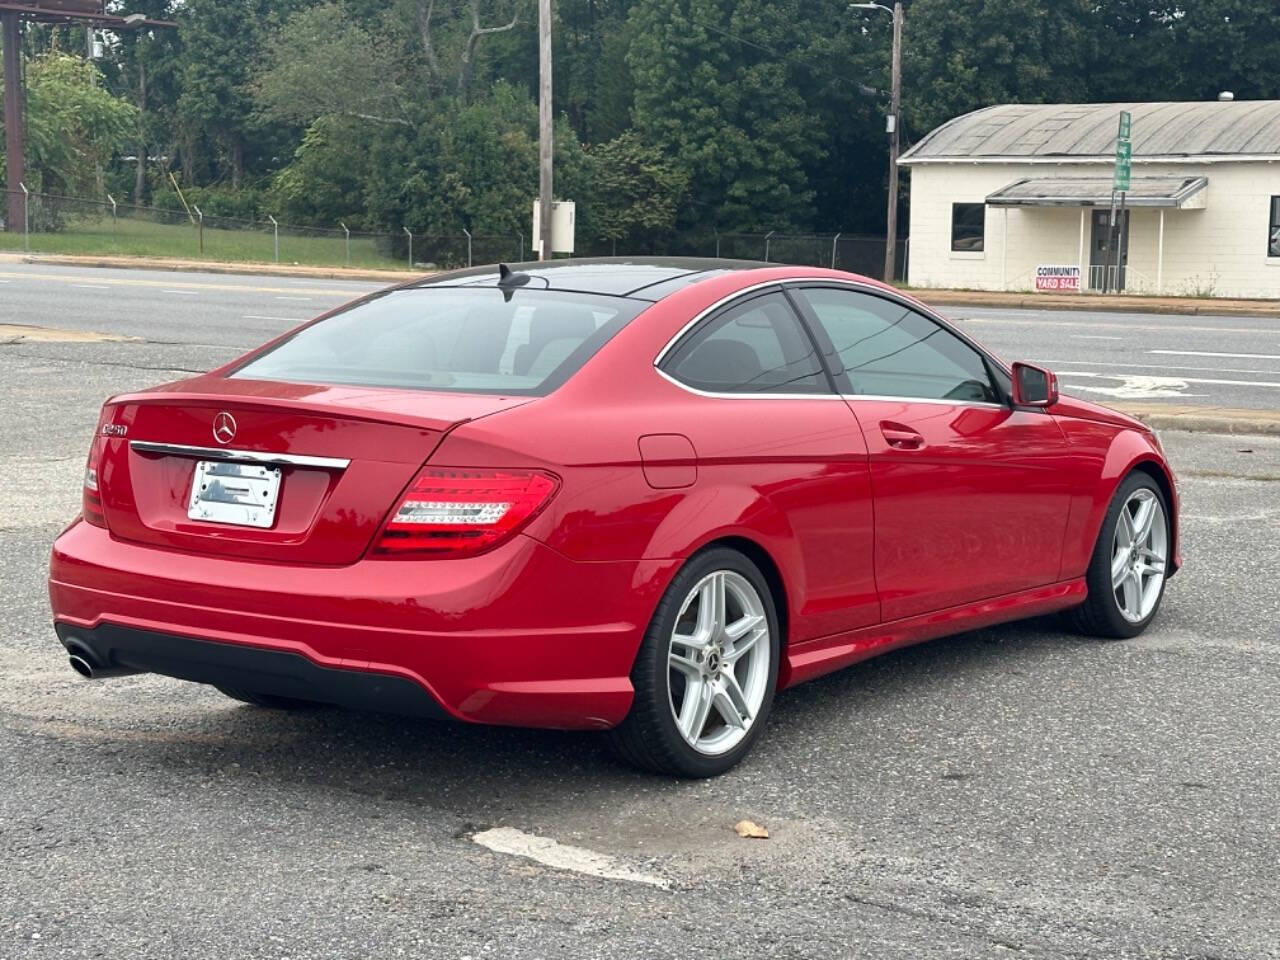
1099	615
268	700
649	738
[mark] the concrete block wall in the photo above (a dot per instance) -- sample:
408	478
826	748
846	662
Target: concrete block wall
1220	250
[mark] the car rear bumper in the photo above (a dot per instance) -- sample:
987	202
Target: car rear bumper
248	667
520	635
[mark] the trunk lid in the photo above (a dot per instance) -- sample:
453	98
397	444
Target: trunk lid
343	455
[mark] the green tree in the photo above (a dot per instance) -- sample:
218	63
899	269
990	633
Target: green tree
729	112
223	42
959	55
74	125
636	192
324	62
147	73
1226	45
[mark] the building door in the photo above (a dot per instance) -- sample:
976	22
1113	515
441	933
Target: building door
1119	249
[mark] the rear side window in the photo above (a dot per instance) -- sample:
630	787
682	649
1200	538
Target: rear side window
469	340
886	349
757	346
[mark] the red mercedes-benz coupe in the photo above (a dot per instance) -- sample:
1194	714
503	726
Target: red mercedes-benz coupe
636	495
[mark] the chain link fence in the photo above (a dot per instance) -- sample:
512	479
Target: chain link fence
45	223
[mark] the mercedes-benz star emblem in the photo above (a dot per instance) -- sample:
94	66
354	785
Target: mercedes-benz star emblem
224	427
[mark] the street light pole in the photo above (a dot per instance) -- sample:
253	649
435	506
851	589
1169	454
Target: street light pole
892	124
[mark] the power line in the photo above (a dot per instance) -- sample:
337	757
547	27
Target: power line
863	89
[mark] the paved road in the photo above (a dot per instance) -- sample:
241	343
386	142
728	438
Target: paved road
1015	792
1214	361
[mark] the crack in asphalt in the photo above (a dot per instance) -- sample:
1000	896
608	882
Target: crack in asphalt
112	363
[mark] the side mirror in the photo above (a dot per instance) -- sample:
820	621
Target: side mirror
1033	386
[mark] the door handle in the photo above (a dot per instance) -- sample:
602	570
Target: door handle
900	437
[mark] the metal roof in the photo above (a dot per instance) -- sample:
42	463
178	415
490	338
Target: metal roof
1096	192
1087	131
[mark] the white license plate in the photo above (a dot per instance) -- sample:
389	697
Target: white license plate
243	494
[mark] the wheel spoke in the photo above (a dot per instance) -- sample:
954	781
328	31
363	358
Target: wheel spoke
711	607
745	634
1119	567
737	701
1133	595
724	706
694	710
744	646
1124	529
1143	519
742	627
684	663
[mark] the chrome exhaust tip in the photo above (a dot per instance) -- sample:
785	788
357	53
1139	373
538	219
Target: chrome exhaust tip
81	666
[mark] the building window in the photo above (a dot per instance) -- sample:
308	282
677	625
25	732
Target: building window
1273	234
968	227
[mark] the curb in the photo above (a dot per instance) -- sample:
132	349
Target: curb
199	266
1206	420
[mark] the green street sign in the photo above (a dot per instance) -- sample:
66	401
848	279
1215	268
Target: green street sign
1124	152
1124	163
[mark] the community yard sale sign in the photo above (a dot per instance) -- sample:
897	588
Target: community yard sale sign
1058	278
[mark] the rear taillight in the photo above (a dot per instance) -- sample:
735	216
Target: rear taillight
92	503
453	512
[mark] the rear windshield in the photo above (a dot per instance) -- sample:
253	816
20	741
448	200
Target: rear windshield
470	340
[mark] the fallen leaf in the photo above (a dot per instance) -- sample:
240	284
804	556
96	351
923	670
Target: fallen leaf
750	830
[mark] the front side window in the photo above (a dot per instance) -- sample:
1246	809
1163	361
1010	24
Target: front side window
968	227
1273	233
467	340
757	346
885	349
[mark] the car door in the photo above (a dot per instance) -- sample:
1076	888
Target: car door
775	440
971	495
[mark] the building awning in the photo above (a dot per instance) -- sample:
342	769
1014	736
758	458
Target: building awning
1176	192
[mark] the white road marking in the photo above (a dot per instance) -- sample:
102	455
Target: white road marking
561	856
1087	336
183	293
294	298
1225	383
255	316
1156	366
1204	353
91	286
1134	387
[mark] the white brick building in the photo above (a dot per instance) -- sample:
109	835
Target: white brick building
1001	194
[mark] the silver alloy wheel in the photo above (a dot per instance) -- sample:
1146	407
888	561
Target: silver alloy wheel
1139	555
718	662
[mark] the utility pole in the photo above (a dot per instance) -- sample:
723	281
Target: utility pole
895	109
545	130
892	123
13	119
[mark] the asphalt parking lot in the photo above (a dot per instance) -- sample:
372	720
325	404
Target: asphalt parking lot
1015	792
